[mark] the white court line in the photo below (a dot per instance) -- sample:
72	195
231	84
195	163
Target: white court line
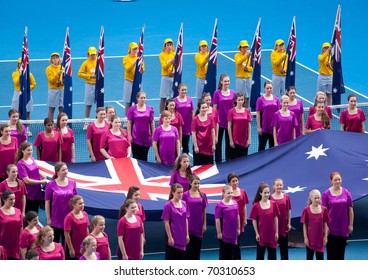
121	105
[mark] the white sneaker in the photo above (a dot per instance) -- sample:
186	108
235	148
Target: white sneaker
85	126
29	133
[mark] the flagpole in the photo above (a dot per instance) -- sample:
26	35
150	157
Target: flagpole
137	80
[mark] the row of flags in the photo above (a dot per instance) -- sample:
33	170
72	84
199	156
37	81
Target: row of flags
211	75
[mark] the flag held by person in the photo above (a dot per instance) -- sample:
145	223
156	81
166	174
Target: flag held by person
25	88
291	51
178	62
256	49
67	77
338	87
210	82
100	72
137	80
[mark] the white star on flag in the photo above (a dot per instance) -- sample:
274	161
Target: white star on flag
102	90
294	190
316	152
291	73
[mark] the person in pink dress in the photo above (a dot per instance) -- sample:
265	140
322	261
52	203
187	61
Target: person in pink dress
17	186
241	198
203	136
130	233
17	129
185	106
75	228
67	137
29	234
264	215
296	106
320	97
284	219
239	120
227	221
175	217
58	193
319	120
284	123
141	127
176	118
29	172
315	221
352	119
223	100
115	142
182	172
89	249
48	143
266	106
8	149
98	232
10	225
46	247
166	141
197	203
212	112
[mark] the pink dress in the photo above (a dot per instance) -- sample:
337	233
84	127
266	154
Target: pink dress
78	230
131	233
102	246
117	144
94	134
166	140
352	122
7	156
66	145
284	206
203	130
49	146
240	124
27	238
56	254
242	201
18	191
10	228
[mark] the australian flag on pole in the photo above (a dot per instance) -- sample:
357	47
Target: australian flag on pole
100	71
210	82
338	87
256	63
178	62
68	81
137	80
291	51
25	88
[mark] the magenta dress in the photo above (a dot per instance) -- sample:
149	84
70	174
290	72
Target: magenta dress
66	145
203	131
313	124
49	146
32	172
102	246
185	110
285	126
224	104
78	230
229	227
178	223
59	198
177	122
240	123
352	122
315	227
94	134
242	200
267	109
131	233
265	222
27	238
284	205
18	191
10	229
56	254
312	111
195	207
166	140
20	137
141	127
7	156
298	111
140	212
176	178
117	144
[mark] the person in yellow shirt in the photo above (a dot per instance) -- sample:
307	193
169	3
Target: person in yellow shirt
279	61
324	80
167	57
201	59
87	71
15	99
55	95
243	70
129	62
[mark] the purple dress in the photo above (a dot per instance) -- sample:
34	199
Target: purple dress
229	216
185	109
195	207
20	137
267	109
98	257
298	111
224	104
32	172
284	127
183	181
166	140
141	127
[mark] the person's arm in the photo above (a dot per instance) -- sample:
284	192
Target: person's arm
23	252
289	220
305	234
326	231
351	219
142	246
302	123
68	241
38	153
180	136
245	217
294	133
194	140
230	132
255	226
73	152
152	127
90	150
29	181
218	229
129	129
363	127
187	230
204	223
48	212
342	127
170	239
24	200
275	136
213	139
177	145
105	154
239	231
276	221
259	125
59	152
155	149
122	247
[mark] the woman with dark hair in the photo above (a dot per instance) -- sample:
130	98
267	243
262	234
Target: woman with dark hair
29	233
353	118
319	120
17	129
67	137
182	172
8	150
48	143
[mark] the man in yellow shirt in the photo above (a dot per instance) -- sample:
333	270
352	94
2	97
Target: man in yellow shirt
201	59
167	57
324	80
87	71
243	70
279	61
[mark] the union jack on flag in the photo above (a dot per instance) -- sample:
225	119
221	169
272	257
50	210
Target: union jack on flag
100	74
337	78
178	62
291	51
67	77
256	49
210	82
137	81
25	88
